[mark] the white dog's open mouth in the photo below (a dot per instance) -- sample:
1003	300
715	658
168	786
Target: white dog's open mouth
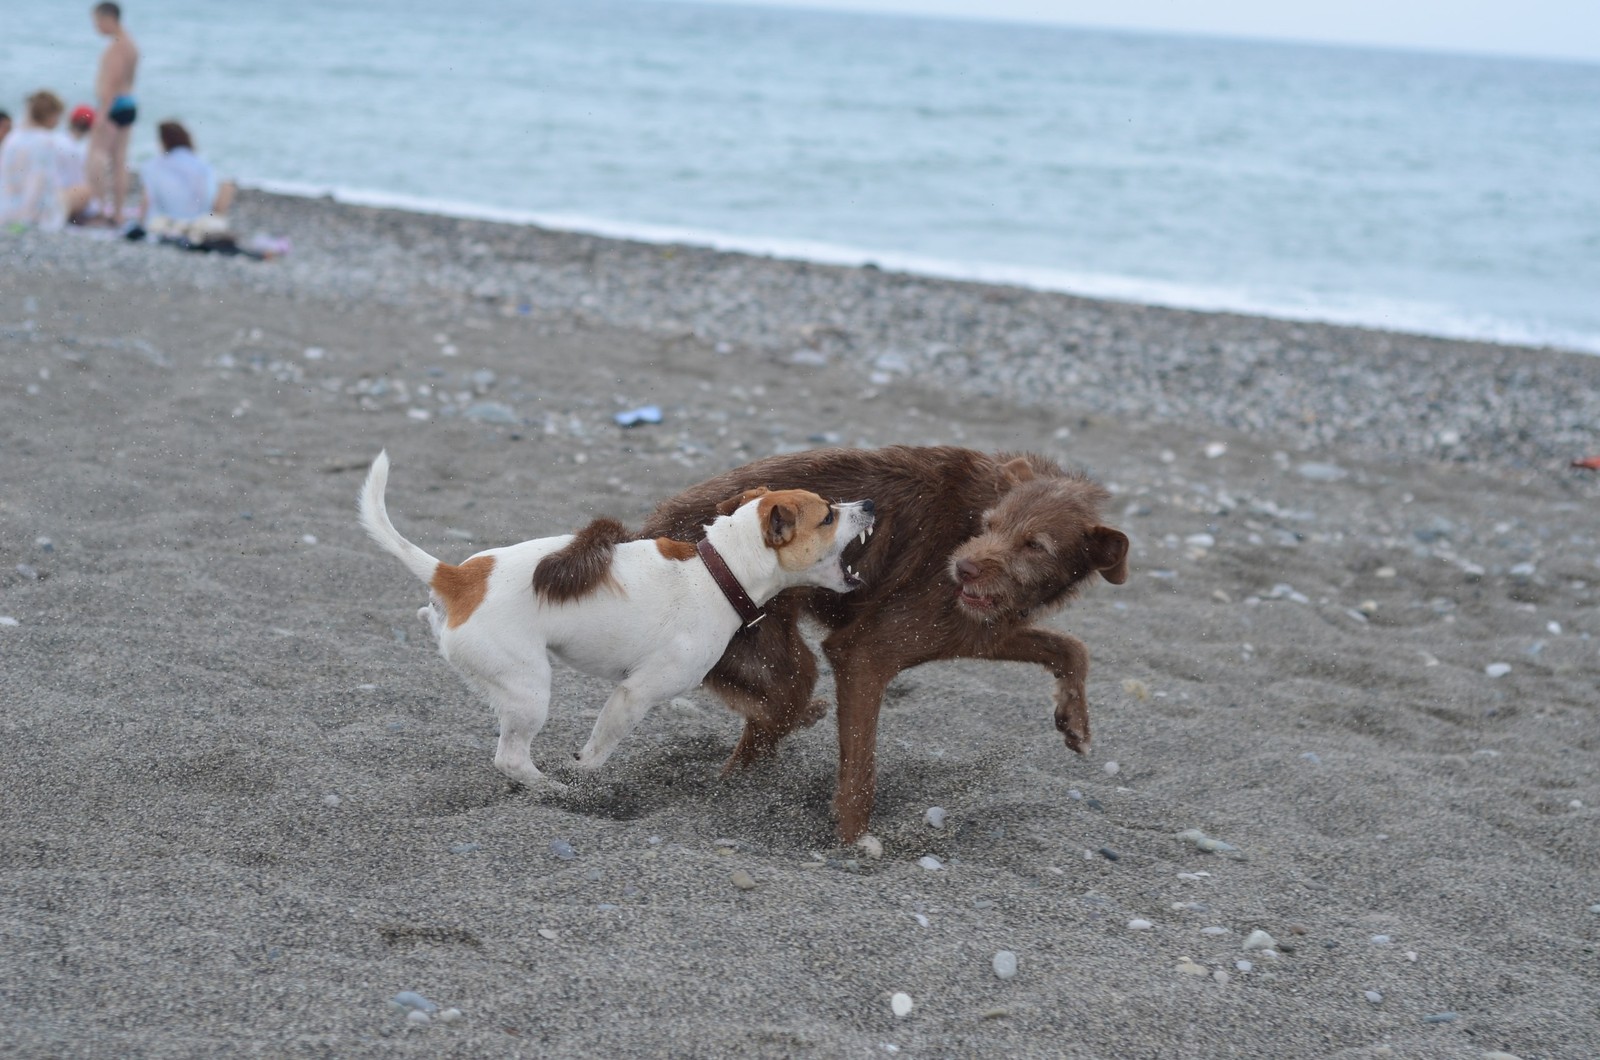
851	578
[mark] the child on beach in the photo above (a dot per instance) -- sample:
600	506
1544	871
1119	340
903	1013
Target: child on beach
72	152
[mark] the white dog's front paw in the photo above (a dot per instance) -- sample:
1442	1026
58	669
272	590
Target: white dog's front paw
589	760
524	772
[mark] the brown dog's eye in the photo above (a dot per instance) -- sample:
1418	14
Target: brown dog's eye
829	519
1035	544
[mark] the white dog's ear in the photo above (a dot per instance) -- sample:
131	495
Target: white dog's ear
780	519
734	503
1015	472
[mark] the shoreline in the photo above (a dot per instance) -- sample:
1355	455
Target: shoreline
1426	321
1314	387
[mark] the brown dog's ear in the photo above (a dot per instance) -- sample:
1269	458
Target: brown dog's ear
1015	472
734	503
780	520
1108	553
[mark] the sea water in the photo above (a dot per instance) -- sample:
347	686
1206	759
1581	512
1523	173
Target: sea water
1447	194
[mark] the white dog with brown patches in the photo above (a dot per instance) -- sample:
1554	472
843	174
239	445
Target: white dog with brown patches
654	616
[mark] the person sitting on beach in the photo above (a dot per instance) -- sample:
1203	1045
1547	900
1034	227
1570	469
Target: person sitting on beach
30	173
72	155
180	187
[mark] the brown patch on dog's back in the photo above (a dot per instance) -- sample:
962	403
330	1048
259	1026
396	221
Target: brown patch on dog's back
583	566
675	549
462	588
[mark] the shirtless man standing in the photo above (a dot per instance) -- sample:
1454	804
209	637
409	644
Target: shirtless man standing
113	86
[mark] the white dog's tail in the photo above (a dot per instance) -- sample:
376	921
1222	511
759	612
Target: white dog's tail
375	520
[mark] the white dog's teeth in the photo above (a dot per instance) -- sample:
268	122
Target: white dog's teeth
863	537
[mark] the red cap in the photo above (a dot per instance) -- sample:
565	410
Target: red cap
82	114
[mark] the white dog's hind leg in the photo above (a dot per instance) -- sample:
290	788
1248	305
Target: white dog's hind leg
522	712
622	712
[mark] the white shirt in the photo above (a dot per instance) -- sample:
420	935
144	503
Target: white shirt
181	185
29	179
72	157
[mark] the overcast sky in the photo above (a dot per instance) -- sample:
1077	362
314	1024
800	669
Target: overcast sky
1560	28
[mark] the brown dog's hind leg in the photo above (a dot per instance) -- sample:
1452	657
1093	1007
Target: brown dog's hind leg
766	676
1066	658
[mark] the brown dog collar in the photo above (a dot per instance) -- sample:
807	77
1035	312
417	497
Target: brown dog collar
749	613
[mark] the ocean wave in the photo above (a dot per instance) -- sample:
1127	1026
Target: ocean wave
1352	310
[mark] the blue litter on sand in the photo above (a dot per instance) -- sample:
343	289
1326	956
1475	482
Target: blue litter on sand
642	414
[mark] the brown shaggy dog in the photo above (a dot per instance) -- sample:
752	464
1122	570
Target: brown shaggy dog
968	552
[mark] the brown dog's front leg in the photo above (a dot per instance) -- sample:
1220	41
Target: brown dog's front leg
860	682
1066	658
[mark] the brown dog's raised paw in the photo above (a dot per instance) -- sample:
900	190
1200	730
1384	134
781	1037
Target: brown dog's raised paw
1072	715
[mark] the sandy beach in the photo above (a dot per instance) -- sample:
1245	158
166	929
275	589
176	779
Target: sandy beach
243	802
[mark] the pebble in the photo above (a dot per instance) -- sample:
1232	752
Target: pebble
1385	573
1138	924
934	817
309	539
412	1000
921	919
994	1013
562	849
1595	908
1215	449
420	1017
1312	757
1244	966
871	845
931	863
1381	940
494	412
1496	1054
1498	669
331	800
1112	769
450	1015
1215	929
1374	996
901	1004
1109	854
1258	940
1440	1017
28	572
1187	967
1221	977
1315	472
1200	541
1005	964
547	933
465	848
44	544
744	881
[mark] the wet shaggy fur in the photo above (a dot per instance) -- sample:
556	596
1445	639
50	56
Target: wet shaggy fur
970	549
583	566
